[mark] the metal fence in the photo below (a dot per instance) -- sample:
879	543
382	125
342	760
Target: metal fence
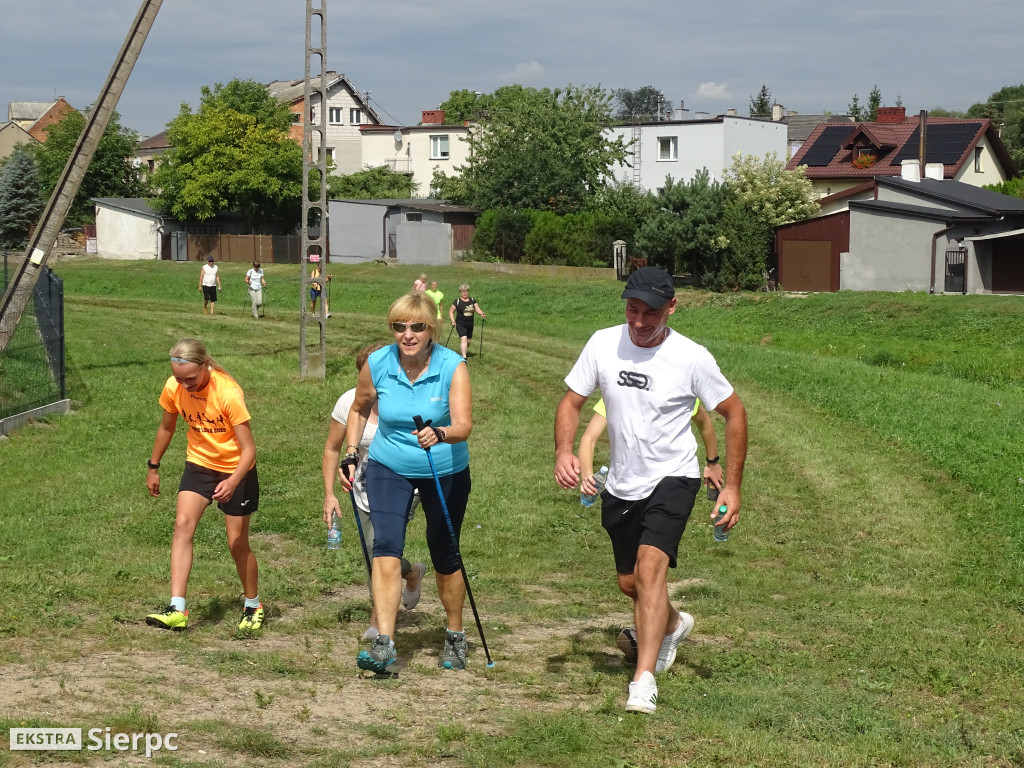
32	368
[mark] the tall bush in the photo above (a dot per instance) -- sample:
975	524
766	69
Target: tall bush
501	234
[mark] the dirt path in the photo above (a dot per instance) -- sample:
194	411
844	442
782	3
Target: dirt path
292	695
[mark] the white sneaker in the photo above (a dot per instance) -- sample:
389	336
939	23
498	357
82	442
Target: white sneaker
643	695
667	654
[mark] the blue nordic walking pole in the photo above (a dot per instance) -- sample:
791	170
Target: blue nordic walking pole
420	425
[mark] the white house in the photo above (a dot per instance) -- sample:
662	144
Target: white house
347	110
417	150
681	148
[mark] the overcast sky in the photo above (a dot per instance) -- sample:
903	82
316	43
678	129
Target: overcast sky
813	56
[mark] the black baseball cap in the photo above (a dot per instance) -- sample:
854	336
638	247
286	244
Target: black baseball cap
651	285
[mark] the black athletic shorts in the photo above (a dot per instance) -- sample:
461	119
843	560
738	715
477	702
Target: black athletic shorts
210	292
659	520
464	329
201	480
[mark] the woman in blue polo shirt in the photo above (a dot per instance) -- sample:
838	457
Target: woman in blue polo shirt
415	376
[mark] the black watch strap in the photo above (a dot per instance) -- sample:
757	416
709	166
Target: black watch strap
151	465
712	460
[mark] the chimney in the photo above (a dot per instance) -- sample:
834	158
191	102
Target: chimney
910	170
778	112
891	115
433	117
681	112
701	115
934	171
731	112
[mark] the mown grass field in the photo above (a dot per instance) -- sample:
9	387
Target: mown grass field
868	611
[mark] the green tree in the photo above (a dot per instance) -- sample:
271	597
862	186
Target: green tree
539	149
380	183
645	103
1005	108
684	231
761	104
855	110
874	102
465	106
112	173
762	196
772	194
20	203
501	234
225	159
943	112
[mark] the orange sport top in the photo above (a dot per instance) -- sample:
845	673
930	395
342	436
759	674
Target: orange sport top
211	414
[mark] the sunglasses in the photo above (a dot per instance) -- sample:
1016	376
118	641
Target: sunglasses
414	327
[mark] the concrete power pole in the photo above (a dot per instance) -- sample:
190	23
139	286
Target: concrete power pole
313	355
16	297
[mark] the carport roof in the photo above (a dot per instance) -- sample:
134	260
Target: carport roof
997	235
917	211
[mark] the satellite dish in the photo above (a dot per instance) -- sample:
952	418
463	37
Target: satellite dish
398	137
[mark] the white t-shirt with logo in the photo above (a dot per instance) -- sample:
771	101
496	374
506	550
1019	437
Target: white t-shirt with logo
255	278
650	395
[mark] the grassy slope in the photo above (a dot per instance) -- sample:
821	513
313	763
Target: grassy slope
881	546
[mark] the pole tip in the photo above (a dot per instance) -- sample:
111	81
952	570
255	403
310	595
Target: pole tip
490	664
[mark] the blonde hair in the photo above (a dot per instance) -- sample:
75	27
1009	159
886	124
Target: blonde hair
415	307
363	354
464	287
194	351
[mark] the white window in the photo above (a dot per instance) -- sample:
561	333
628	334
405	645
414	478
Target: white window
334	118
667	147
355	116
978	153
439	147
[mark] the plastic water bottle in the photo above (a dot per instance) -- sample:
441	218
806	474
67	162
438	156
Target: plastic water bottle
720	533
588	499
334	533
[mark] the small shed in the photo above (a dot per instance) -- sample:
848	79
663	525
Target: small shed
416	231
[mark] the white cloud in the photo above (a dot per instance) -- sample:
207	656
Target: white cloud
524	73
712	90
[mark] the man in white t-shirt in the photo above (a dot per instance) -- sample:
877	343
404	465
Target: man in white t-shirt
650	377
209	284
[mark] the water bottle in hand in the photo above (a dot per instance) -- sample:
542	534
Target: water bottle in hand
588	499
334	533
720	533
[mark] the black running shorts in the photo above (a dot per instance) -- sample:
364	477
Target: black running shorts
658	521
201	480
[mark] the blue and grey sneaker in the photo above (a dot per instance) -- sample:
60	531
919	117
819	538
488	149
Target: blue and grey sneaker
381	655
453	655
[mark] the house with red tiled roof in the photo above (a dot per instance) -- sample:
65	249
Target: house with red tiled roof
840	157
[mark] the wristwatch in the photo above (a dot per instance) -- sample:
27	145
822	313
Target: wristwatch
712	461
151	465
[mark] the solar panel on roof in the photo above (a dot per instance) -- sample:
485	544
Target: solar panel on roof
946	143
825	148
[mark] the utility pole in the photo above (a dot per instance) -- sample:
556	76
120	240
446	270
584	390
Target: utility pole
312	355
16	297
